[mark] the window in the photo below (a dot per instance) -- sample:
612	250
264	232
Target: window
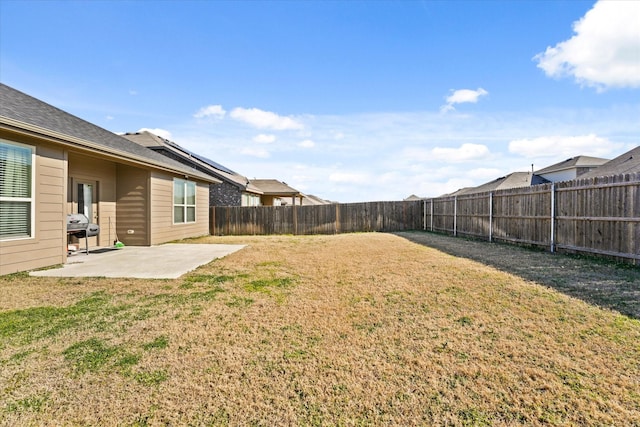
249	199
16	190
184	201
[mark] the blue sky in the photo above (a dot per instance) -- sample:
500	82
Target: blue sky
347	100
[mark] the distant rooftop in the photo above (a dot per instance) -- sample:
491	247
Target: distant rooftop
574	162
628	162
513	180
273	187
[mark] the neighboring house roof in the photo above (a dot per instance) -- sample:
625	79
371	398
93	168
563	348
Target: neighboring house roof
513	180
22	112
628	162
311	200
412	198
572	163
273	187
163	145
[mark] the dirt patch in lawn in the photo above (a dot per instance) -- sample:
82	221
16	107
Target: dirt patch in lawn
600	282
348	330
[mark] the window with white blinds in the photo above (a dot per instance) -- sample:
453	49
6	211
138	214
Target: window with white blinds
16	190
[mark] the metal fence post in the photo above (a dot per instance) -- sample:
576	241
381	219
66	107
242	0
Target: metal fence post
455	216
431	214
491	216
553	217
424	214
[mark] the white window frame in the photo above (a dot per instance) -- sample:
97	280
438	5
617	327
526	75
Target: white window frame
250	199
31	200
184	205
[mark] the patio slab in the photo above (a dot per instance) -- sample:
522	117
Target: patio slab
168	261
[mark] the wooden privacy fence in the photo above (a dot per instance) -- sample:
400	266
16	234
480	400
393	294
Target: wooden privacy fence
599	216
320	219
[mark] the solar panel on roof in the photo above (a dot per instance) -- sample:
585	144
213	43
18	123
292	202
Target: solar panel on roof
202	158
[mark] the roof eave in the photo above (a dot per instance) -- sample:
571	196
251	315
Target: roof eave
18	126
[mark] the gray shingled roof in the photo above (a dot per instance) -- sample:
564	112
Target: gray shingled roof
513	180
628	162
163	145
18	106
272	187
574	162
311	200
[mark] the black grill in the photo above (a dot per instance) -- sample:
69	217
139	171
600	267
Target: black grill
78	225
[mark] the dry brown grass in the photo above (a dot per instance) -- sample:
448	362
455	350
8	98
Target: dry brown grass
357	329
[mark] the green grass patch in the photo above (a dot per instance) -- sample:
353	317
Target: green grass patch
151	378
263	285
127	360
21	355
31	324
269	264
473	417
236	301
207	279
178	299
93	354
158	343
29	403
89	355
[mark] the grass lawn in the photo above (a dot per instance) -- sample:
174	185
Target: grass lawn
354	329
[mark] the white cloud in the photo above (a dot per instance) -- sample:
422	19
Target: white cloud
109	117
213	111
264	119
605	50
264	138
462	96
133	92
562	146
390	156
464	153
484	174
255	152
350	178
307	143
162	133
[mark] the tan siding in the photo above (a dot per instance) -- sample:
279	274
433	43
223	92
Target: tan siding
132	193
162	228
47	247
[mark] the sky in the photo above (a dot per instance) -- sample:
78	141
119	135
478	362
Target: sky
346	100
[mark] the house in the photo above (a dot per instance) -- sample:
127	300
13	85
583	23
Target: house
628	162
233	190
276	193
513	180
571	168
53	164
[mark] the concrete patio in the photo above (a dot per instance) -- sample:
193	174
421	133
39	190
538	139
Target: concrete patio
168	261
